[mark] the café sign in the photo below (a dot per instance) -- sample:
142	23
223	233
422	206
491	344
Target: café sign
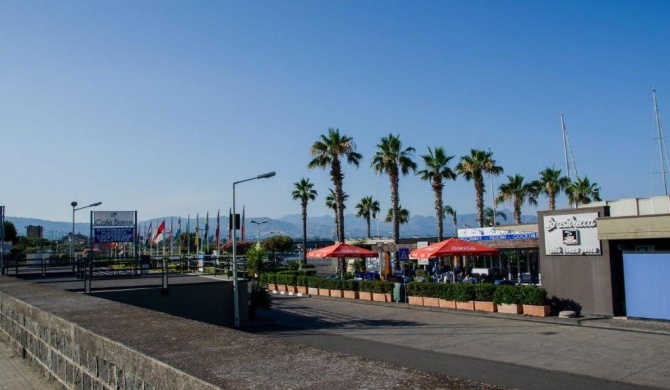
571	235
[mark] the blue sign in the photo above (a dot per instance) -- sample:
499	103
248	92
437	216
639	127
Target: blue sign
120	234
403	254
500	237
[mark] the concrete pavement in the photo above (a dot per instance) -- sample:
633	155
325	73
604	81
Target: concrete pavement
594	353
18	374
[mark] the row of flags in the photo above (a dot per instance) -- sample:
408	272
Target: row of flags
160	234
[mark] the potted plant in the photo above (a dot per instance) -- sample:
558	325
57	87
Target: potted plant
446	296
336	287
508	299
313	285
378	292
465	296
350	289
415	293
324	287
289	280
365	290
301	287
270	279
534	301
484	297
431	294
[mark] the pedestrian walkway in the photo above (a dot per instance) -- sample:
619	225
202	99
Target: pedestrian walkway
18	374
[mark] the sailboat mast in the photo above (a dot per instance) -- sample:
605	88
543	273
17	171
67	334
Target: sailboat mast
565	147
660	140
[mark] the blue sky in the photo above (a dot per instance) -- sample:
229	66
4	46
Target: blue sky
159	106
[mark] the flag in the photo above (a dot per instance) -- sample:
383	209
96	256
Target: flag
187	238
170	234
207	231
148	239
230	224
178	232
197	222
159	233
242	227
216	232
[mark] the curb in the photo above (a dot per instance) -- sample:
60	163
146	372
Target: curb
289	293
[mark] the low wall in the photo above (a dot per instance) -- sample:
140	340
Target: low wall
79	359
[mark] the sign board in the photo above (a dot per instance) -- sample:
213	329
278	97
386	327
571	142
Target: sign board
106	235
571	235
6	247
403	254
113	219
494	234
421	244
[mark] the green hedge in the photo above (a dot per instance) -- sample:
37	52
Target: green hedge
313	281
367	286
289	279
351	285
302	280
464	292
507	294
447	291
531	295
484	292
268	278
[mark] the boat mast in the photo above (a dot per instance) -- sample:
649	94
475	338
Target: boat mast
568	150
661	142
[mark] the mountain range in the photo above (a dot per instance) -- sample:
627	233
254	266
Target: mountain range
318	227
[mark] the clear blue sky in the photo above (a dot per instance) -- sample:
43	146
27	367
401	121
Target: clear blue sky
159	106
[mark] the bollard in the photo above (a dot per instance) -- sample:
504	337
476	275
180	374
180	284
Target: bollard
87	277
164	289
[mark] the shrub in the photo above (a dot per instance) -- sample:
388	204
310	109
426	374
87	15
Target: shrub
431	290
414	289
447	291
464	292
348	275
484	292
351	285
268	278
420	273
507	294
366	285
531	295
287	278
258	299
302	280
387	287
313	281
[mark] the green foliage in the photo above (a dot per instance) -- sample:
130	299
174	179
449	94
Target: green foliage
293	265
302	280
420	273
414	289
351	285
484	292
10	232
532	295
259	298
255	258
268	278
464	292
447	291
313	281
278	244
287	278
431	290
507	294
366	286
348	275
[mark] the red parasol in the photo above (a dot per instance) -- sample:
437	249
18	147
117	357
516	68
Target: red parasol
341	250
452	247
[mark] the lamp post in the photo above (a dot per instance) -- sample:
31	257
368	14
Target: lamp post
258	228
236	295
75	208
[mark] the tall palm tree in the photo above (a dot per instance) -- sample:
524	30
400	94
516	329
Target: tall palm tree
488	216
450	211
304	192
327	152
367	208
393	160
403	215
582	191
551	183
331	203
472	167
517	192
436	172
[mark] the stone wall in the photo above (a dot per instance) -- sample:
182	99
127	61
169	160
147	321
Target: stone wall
79	359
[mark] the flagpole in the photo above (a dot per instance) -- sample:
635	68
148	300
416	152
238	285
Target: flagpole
188	236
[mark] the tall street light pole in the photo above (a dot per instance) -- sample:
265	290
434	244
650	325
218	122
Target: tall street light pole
258	228
75	208
236	293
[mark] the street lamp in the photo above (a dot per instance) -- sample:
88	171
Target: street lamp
258	228
236	295
75	208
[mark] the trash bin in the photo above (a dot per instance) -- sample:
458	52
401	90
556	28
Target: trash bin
398	292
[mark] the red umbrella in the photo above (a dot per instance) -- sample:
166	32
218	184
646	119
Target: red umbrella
340	250
452	247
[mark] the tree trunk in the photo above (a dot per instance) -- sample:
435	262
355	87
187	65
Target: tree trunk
303	260
437	188
394	202
479	200
368	221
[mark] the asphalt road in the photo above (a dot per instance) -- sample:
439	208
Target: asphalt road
496	351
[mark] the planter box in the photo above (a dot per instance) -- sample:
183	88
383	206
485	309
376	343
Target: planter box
301	289
488	307
537	311
379	297
290	288
415	300
350	294
434	302
469	305
272	286
510	308
281	287
366	296
324	292
336	293
389	297
312	291
447	304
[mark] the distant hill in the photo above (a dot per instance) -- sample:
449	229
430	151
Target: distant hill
317	227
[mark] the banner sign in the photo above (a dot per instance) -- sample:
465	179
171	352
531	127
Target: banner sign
106	235
573	234
113	218
494	234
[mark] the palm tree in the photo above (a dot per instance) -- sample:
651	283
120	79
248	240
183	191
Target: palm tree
448	210
326	153
437	170
304	192
331	203
393	160
517	192
582	191
488	216
472	167
551	183
367	208
403	215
